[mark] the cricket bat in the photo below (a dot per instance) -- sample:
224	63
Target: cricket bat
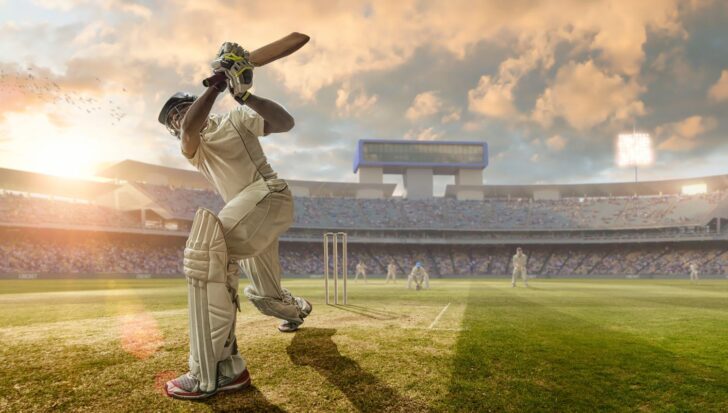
268	53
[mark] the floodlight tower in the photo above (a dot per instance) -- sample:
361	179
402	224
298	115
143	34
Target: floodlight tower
634	150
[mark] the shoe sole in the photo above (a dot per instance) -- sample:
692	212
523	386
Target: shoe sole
288	331
236	385
201	396
188	396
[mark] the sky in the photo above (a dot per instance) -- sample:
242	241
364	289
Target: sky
547	84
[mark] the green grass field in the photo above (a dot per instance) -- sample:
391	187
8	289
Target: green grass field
576	345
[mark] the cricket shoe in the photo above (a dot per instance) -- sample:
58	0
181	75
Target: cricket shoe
291	326
187	387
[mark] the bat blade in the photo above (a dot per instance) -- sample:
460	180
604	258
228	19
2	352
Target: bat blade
268	53
278	49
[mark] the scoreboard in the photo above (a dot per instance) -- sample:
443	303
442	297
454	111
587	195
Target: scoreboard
442	157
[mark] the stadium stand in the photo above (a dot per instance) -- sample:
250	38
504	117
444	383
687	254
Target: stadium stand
121	228
60	252
435	213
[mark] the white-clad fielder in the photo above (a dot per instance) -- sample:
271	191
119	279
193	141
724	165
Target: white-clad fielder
243	236
519	267
419	277
361	269
694	274
391	272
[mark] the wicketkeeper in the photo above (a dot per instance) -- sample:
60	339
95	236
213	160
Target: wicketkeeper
419	277
519	267
243	236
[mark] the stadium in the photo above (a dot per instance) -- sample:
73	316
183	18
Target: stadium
364	206
103	258
136	217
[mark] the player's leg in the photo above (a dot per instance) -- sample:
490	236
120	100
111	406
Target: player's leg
253	223
426	281
266	293
213	300
513	277
524	275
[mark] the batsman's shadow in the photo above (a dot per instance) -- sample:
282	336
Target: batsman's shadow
365	312
248	400
315	348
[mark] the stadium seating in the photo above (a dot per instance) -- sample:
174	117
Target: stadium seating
27	251
435	213
63	253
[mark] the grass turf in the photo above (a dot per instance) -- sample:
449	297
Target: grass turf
576	345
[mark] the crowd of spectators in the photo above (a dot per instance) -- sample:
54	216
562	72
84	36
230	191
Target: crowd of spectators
182	203
68	253
16	208
560	260
435	213
448	213
22	253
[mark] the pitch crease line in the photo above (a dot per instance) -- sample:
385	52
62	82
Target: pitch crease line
438	317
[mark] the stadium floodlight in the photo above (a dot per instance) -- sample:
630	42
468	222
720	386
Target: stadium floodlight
634	150
695	189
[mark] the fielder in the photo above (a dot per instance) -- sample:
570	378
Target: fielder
361	269
391	273
519	267
243	236
419	277
694	274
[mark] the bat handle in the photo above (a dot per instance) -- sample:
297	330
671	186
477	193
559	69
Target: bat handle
214	79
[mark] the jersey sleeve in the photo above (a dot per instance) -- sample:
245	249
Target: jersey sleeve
196	158
247	118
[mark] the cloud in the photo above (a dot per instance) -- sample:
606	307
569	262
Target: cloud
423	134
424	105
719	91
492	99
526	70
682	136
556	143
585	96
353	102
451	117
110	5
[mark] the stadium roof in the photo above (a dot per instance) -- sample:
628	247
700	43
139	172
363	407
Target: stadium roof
666	187
37	183
135	171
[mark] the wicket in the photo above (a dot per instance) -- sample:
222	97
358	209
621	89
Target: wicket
334	238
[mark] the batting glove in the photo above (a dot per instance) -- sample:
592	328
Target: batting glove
232	60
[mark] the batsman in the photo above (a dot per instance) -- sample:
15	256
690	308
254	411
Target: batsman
243	236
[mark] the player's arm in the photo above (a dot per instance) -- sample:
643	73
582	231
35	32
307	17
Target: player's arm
195	119
277	119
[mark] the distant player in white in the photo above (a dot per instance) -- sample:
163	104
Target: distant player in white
391	272
519	267
693	271
361	269
419	277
